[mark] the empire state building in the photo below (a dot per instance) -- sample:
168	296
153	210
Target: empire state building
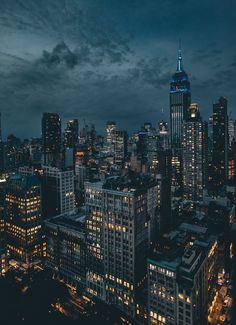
180	100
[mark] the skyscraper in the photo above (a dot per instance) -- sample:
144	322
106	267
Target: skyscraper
179	277
110	129
194	154
220	144
180	99
71	133
120	146
66	248
122	218
164	135
51	138
58	193
23	218
95	277
125	243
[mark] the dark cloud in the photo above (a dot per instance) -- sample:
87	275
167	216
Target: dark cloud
61	54
77	57
53	85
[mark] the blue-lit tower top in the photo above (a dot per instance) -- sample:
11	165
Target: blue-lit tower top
180	81
180	99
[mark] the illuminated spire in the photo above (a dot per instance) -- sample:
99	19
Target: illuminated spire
180	62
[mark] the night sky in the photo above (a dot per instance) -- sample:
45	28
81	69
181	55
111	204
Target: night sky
102	60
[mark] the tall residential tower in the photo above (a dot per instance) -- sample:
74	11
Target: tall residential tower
194	154
51	138
220	144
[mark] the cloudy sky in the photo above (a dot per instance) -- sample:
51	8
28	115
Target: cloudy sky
102	59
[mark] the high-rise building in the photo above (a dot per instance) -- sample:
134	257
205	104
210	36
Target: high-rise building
180	99
120	146
179	277
35	151
95	276
15	153
164	135
23	218
110	129
147	147
122	220
66	247
116	143
194	154
71	133
125	244
142	146
88	135
219	172
51	139
71	136
164	167
58	193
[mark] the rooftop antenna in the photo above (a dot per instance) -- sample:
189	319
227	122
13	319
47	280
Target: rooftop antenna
179	62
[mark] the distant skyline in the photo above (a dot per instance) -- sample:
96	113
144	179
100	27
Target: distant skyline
106	60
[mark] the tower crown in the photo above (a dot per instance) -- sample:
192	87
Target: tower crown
180	81
180	62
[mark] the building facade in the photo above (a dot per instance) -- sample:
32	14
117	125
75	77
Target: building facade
164	135
51	139
120	147
125	245
178	277
95	275
58	192
66	248
23	218
219	166
194	154
71	133
122	220
180	99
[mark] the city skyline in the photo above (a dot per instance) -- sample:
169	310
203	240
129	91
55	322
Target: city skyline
117	162
108	73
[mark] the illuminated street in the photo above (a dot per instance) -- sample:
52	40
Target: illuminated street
219	312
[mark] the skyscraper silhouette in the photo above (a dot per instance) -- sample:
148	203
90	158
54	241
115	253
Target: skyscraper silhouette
180	99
